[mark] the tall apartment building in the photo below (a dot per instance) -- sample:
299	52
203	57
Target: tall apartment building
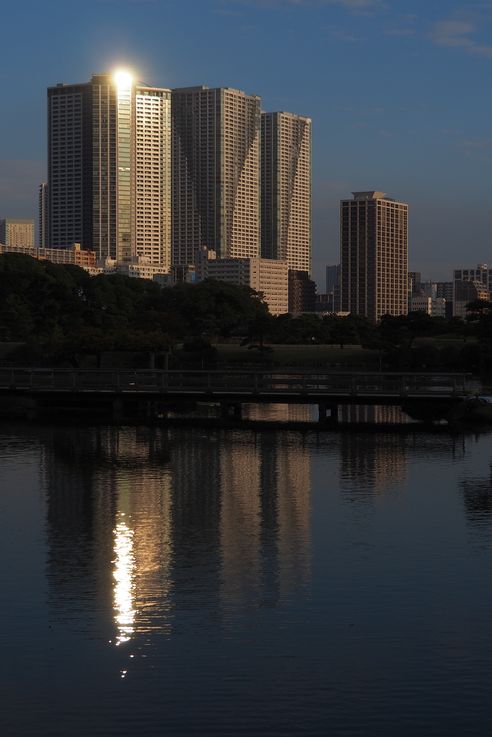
216	173
109	167
374	255
15	232
43	208
286	189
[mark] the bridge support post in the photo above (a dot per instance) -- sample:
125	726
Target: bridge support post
231	409
118	409
323	416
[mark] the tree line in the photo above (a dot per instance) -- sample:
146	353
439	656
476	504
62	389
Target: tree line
60	313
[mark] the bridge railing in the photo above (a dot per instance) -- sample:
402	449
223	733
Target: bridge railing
239	381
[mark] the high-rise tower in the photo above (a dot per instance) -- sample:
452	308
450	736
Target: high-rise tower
109	167
43	215
374	255
286	189
216	171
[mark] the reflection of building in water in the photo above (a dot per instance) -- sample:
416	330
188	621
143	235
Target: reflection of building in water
141	523
195	465
109	525
371	461
143	549
477	496
76	514
265	517
279	412
373	414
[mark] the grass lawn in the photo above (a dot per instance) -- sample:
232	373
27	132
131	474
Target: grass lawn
350	356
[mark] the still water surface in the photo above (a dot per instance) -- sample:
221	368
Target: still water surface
180	582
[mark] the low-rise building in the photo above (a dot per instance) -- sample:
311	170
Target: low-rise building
70	255
465	292
270	277
433	306
15	232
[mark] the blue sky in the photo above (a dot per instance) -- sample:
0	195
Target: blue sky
399	92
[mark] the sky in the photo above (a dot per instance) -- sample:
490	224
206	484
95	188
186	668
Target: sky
398	90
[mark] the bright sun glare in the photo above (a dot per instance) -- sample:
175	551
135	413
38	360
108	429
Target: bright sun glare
123	78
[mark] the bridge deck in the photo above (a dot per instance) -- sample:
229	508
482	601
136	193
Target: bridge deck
238	385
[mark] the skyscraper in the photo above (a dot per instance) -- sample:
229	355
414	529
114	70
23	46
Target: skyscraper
216	171
374	255
332	277
109	167
43	215
286	189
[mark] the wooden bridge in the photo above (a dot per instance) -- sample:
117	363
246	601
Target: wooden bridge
230	388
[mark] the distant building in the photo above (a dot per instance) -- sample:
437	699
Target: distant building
332	277
325	303
414	281
270	277
141	268
433	306
71	255
15	232
302	293
216	173
445	289
482	273
374	255
286	189
333	286
481	277
43	209
466	291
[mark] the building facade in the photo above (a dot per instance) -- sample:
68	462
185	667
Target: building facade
373	255
286	189
43	228
270	277
465	291
109	168
216	173
153	175
433	306
332	277
482	273
302	293
15	232
71	255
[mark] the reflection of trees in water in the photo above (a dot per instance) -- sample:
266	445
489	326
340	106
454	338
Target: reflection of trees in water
373	462
477	496
141	522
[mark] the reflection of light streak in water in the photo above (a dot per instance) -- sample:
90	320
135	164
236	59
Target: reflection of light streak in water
123	574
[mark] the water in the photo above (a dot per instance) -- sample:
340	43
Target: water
181	582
